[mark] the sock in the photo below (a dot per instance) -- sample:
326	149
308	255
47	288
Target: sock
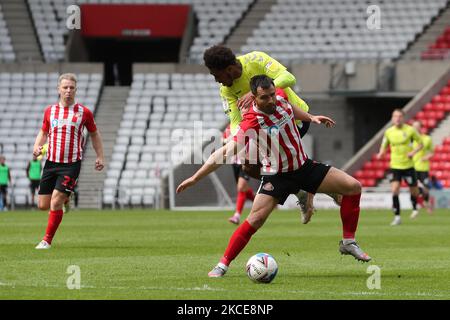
347	241
54	220
396	205
250	195
238	241
240	201
350	215
414	202
420	200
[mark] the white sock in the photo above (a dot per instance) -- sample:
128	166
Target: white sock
223	266
347	241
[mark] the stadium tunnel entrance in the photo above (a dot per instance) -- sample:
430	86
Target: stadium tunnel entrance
121	34
118	55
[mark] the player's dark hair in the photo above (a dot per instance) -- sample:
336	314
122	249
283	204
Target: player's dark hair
262	81
218	57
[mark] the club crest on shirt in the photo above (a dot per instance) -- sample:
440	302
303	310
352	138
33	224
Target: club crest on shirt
54	123
268	186
273	130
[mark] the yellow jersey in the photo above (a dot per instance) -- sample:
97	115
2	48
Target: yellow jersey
401	142
253	64
419	164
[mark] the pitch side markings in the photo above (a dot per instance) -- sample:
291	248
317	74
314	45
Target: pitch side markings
207	288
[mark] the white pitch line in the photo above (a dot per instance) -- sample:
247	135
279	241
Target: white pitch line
208	288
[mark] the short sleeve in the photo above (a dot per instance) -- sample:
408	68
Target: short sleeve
46	120
246	130
89	121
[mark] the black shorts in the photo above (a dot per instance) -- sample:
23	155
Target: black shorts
3	189
281	185
60	176
424	177
409	175
239	173
34	184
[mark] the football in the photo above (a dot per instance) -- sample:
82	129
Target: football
262	267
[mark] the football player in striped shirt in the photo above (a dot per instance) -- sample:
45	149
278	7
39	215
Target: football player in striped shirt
286	169
63	126
234	74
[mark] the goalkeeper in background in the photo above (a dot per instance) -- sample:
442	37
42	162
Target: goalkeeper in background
234	74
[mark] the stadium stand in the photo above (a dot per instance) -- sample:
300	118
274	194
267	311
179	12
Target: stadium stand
216	18
440	49
431	116
337	30
33	92
6	50
157	106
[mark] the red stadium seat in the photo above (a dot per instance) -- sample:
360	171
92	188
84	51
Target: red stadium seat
445	91
359	175
379	174
439	149
421	115
428	107
369	165
439	107
437	99
446	141
435	166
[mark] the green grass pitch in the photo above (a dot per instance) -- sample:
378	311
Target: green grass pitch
145	254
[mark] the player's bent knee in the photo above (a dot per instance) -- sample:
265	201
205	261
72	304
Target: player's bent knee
355	186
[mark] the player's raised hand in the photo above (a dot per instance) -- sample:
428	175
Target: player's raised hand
186	184
322	119
99	164
245	102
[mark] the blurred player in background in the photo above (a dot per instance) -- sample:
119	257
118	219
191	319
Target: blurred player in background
63	125
422	166
400	138
244	190
234	74
286	171
34	170
5	179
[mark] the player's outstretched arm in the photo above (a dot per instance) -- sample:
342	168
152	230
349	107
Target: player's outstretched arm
305	116
39	142
213	163
98	147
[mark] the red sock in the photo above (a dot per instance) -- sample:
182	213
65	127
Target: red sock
350	215
240	201
250	195
420	200
54	220
238	241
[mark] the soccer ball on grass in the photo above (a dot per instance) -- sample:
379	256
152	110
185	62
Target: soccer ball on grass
262	267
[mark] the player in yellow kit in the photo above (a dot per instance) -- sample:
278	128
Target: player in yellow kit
234	74
422	166
400	138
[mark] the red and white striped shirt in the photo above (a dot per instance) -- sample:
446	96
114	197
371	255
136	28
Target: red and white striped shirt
276	136
64	126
